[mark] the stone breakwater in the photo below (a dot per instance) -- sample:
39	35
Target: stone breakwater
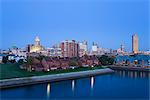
6	83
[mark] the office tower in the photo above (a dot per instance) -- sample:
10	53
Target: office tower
135	43
83	48
55	51
94	49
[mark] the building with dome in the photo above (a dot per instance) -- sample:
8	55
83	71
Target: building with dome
36	47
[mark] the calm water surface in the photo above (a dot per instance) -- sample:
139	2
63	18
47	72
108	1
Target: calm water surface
120	85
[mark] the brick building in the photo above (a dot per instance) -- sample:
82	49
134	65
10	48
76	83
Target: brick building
69	48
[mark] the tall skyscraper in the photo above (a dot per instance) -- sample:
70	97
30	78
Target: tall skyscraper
69	48
135	43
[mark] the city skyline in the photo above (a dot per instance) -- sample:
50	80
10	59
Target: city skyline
109	26
89	48
74	49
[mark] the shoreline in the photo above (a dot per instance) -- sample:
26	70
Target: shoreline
128	68
7	83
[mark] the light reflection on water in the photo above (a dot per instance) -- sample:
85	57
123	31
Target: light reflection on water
48	89
132	74
92	82
132	83
73	85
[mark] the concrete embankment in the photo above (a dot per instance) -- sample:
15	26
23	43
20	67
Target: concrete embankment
6	83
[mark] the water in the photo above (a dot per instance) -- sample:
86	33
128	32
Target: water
120	85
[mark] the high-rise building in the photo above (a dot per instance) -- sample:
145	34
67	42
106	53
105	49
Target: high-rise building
94	49
69	48
83	48
135	43
55	51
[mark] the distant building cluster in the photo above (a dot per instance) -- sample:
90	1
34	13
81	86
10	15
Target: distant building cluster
68	48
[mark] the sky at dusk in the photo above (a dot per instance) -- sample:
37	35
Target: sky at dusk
109	23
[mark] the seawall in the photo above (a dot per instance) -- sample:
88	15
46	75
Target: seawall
6	83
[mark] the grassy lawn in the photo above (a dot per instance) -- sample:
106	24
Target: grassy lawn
8	71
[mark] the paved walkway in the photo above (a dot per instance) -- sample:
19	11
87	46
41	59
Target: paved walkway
51	78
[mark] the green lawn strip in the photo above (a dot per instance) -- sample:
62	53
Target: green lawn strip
104	66
8	71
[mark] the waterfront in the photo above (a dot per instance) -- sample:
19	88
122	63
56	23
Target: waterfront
139	58
51	78
120	85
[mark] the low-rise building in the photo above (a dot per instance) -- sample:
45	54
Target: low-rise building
18	52
89	61
54	63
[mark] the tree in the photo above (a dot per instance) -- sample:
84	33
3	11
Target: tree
12	61
106	60
103	59
29	63
73	63
111	60
41	57
5	59
20	61
45	65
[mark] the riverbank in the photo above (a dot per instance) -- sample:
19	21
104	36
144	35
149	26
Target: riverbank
51	78
12	70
